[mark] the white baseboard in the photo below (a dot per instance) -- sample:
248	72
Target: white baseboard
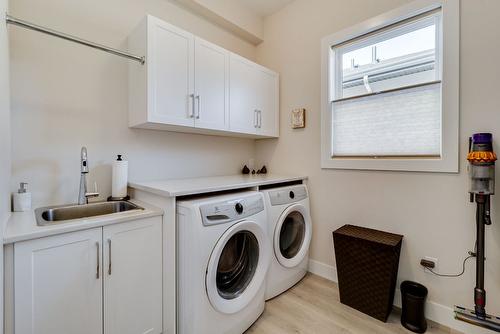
324	270
438	313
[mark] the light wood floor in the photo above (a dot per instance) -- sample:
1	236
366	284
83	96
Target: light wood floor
313	307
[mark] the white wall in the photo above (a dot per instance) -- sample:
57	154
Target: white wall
65	96
431	210
232	15
237	13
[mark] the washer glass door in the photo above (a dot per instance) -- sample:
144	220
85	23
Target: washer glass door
237	264
292	236
237	267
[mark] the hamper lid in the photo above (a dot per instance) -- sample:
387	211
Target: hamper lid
369	234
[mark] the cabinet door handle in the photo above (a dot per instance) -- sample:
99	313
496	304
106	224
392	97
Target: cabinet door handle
98	261
109	256
259	118
199	103
191	114
255	118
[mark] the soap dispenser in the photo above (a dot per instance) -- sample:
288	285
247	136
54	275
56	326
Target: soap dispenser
22	199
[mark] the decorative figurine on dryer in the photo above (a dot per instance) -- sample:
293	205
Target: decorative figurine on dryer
482	185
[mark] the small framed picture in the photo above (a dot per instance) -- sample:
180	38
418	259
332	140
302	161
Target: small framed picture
298	118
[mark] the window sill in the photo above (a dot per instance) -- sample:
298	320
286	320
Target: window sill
437	165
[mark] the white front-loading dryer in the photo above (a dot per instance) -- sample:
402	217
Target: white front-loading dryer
223	257
290	232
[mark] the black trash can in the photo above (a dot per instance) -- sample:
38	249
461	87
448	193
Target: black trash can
413	297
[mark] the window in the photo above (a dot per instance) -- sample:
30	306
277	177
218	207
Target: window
388	105
401	63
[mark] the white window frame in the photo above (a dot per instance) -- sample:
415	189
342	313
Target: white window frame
449	59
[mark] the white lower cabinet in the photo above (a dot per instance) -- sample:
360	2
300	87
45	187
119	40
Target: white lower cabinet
133	278
63	281
58	284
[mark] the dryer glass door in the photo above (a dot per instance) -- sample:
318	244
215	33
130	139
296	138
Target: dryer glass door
237	267
292	233
292	236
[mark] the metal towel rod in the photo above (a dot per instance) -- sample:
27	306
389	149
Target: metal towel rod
21	23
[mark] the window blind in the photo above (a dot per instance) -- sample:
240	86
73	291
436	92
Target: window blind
405	122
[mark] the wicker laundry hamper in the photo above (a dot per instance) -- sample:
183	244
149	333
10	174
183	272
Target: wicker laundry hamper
367	268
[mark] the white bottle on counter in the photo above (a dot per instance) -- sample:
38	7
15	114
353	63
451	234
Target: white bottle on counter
22	199
119	179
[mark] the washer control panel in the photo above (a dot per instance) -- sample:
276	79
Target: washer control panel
229	210
287	195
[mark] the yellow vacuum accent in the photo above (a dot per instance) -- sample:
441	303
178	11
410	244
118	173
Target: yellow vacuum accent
482	156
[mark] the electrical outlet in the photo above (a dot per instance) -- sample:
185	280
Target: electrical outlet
431	259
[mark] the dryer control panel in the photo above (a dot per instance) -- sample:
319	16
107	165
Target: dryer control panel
287	195
229	210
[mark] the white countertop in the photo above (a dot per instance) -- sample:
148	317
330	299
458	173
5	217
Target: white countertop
200	185
22	225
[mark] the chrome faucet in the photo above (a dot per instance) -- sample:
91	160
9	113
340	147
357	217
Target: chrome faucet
83	196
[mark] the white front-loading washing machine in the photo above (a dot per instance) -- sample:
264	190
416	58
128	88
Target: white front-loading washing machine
223	257
290	231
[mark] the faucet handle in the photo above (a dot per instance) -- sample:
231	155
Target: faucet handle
92	194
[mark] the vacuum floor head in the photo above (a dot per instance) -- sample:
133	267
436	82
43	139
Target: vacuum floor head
467	315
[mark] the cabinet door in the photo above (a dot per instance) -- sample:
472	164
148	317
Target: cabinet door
171	74
242	95
133	277
267	102
58	284
211	86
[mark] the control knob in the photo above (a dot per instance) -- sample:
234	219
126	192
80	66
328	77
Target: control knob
239	208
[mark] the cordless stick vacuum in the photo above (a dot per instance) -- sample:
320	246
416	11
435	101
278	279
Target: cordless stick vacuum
482	185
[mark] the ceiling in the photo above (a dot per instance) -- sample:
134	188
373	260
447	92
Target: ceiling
264	7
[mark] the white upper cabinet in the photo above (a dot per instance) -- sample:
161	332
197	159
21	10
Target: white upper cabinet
254	98
267	101
190	85
55	275
211	86
171	74
161	91
243	98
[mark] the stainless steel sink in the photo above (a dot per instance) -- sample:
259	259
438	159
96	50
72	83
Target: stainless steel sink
66	213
